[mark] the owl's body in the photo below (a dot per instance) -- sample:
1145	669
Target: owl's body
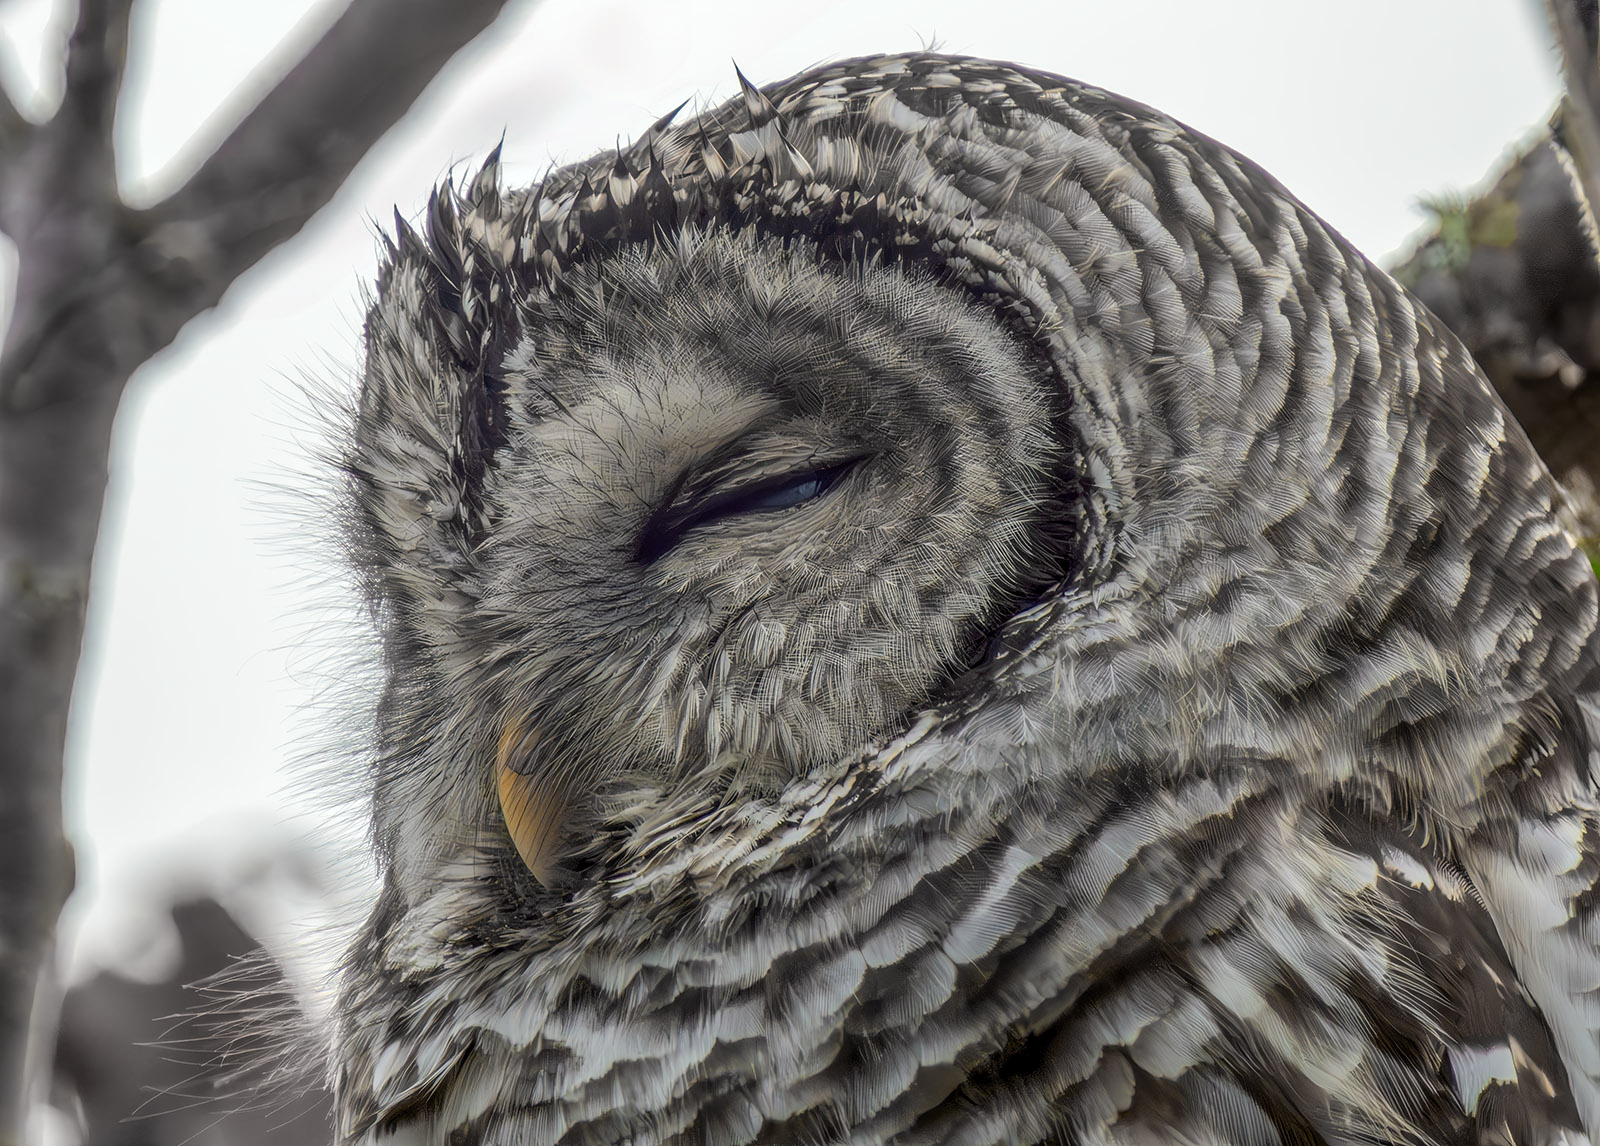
933	604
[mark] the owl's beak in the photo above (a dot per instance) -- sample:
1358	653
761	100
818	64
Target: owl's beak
532	808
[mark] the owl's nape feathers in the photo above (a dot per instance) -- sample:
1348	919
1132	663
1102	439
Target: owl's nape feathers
933	604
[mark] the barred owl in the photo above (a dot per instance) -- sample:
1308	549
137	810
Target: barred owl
932	603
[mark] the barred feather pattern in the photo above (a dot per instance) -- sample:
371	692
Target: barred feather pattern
1273	819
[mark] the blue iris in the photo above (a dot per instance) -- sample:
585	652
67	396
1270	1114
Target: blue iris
803	487
669	524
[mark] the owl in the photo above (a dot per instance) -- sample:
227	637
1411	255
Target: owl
932	603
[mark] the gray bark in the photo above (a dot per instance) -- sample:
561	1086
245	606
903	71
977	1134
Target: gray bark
102	287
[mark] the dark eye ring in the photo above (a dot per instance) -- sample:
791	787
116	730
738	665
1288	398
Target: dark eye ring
667	527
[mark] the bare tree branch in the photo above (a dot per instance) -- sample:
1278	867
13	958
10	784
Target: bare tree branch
58	196
288	156
97	54
1574	22
100	289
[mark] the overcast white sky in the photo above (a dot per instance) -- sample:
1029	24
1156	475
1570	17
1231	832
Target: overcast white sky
197	686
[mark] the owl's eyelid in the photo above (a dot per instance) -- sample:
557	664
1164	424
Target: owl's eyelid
725	494
741	473
677	516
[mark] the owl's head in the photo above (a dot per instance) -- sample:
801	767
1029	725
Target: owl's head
708	511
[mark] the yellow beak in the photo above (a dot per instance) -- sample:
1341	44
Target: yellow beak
533	809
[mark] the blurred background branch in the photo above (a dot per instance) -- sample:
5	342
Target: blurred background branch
1576	26
146	1059
1512	270
101	288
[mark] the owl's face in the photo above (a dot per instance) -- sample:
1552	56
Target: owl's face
749	513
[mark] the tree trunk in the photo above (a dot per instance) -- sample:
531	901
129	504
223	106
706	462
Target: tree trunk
100	289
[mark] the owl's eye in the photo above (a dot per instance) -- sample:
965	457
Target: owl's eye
669	524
